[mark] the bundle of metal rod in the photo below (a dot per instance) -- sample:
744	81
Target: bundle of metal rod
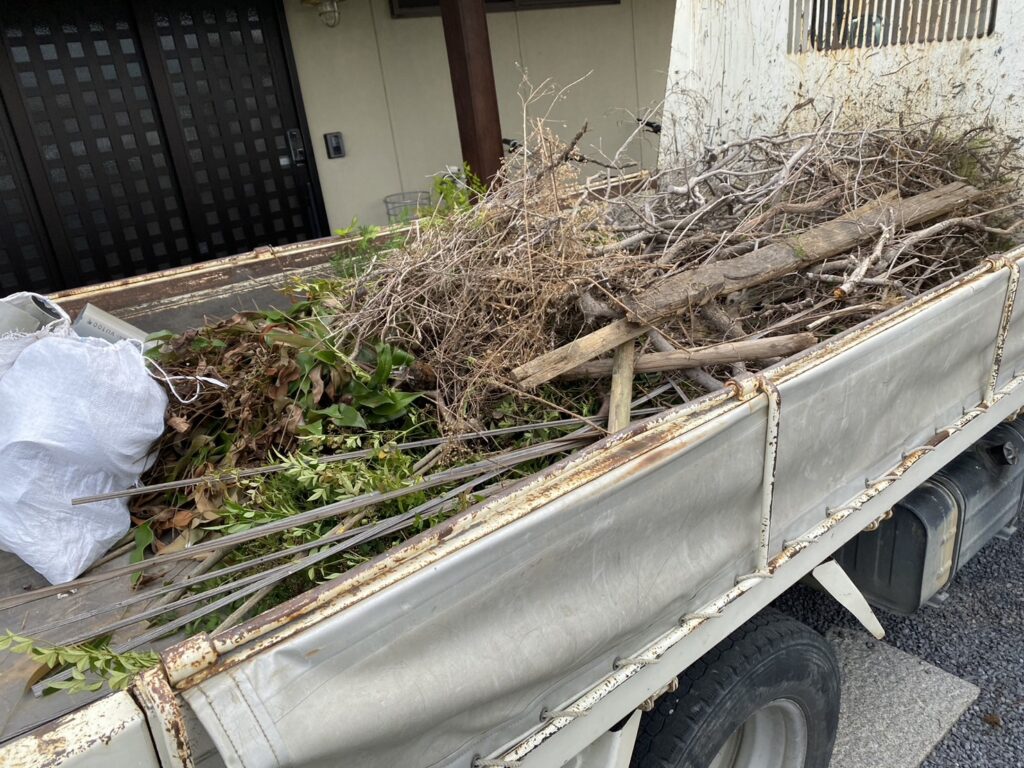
223	543
181	605
242	588
507	460
235	476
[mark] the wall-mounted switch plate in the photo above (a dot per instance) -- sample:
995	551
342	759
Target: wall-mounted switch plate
335	145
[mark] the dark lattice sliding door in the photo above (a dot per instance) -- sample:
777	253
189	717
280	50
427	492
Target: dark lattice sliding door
136	137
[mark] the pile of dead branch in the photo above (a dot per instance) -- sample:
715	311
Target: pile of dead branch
487	298
488	286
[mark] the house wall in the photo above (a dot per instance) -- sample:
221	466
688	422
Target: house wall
731	77
384	84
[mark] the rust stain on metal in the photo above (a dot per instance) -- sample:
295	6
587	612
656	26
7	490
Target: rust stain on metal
690	624
153	692
189	656
262	261
765	384
1004	323
181	281
627	448
75	734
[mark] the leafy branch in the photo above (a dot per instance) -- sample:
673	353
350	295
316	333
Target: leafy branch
97	659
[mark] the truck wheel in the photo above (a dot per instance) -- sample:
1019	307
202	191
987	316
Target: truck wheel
765	697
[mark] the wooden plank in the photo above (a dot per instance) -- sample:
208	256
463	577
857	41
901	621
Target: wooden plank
567	357
717	354
692	288
472	74
621	370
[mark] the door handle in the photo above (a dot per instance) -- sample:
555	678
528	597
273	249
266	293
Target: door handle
296	147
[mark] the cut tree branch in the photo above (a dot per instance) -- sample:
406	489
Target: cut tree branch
695	287
717	354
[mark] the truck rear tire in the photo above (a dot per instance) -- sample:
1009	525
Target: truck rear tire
765	697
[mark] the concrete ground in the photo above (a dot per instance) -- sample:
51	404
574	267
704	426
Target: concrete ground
895	706
909	701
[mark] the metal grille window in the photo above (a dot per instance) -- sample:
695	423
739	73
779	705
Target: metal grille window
824	25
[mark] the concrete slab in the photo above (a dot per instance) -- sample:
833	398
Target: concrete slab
895	706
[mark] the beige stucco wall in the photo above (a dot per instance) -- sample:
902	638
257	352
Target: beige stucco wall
384	84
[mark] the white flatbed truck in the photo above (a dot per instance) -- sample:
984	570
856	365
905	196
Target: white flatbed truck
612	610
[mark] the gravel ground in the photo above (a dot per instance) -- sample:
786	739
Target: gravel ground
977	634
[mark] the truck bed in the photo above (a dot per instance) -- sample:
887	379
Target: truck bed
455	644
583	588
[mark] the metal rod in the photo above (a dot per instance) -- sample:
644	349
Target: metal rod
768	474
454	474
199	576
957	18
243	610
256	584
227	541
978	15
832	25
1009	300
191	580
915	36
899	12
232	476
988	11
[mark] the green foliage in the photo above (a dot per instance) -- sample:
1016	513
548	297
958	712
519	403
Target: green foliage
86	662
457	192
356	257
288	377
454	193
305	483
366	232
301	385
144	537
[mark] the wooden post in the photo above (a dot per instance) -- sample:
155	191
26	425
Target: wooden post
476	100
622	387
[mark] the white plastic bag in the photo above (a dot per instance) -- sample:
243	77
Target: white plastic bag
77	418
13	344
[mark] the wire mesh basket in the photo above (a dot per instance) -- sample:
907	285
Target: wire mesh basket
406	206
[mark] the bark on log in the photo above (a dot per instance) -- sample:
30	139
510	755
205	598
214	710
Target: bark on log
717	354
692	288
698	286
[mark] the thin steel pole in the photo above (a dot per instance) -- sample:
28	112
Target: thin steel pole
252	584
768	472
507	460
957	18
916	36
233	476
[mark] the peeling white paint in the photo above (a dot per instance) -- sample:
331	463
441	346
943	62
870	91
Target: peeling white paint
730	77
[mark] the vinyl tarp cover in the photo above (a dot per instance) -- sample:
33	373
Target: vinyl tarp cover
461	657
487	638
